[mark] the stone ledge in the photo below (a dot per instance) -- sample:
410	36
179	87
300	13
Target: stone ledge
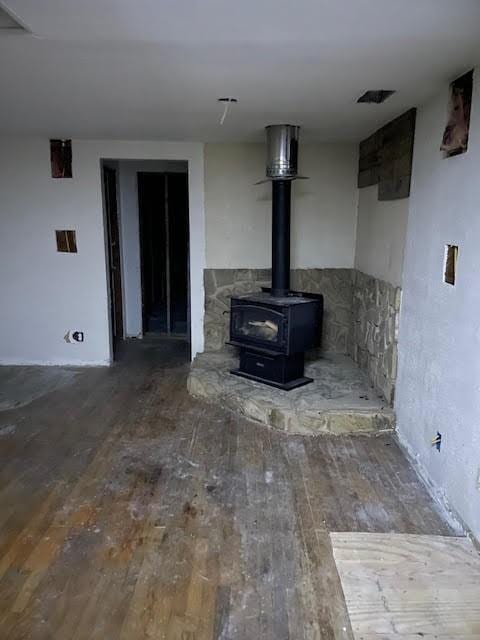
339	401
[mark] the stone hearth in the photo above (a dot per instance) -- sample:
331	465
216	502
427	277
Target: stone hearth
360	318
340	400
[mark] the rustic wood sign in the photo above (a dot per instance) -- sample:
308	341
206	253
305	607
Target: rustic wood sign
386	158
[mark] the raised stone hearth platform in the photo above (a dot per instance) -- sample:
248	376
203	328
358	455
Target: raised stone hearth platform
339	401
360	319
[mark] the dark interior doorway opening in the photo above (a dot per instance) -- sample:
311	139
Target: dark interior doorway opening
109	180
164	251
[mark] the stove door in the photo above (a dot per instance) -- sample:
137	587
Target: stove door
258	325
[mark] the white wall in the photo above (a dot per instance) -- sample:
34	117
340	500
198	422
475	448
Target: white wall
127	197
130	238
381	231
238	212
45	293
438	385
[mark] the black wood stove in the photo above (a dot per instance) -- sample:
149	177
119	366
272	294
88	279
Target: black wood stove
275	327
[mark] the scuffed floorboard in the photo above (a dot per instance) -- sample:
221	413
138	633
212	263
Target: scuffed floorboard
21	385
130	511
409	586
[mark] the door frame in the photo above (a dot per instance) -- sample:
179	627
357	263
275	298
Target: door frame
114	258
98	151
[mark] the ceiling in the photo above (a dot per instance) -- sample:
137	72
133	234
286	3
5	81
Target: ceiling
153	69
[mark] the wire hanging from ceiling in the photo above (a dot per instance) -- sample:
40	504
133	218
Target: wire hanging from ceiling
227	102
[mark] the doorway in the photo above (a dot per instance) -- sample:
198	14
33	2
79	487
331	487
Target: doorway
113	255
164	252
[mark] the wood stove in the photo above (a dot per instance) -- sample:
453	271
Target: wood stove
275	327
273	332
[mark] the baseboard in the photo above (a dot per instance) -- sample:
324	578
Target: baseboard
14	362
437	493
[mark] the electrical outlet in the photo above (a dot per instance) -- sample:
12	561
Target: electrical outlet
74	336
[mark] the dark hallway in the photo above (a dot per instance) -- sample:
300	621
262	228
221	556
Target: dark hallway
163	214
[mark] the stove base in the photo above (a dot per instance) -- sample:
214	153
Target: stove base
286	386
275	369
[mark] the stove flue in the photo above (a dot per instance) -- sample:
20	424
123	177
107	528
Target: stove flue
273	329
282	164
282	151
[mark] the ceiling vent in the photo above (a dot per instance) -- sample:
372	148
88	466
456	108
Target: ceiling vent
375	96
9	24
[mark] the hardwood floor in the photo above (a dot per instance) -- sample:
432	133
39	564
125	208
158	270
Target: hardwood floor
129	511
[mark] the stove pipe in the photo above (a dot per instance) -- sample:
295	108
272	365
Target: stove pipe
282	158
281	198
282	151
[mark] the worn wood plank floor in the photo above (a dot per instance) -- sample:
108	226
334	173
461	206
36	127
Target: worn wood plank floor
129	510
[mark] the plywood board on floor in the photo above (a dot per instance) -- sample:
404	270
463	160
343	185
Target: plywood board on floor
409	586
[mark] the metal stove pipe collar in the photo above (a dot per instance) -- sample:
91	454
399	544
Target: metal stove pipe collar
282	151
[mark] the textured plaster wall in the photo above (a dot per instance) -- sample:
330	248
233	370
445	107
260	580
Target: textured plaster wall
379	255
46	293
238	212
381	231
439	335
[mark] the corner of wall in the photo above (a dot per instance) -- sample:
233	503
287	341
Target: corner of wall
438	378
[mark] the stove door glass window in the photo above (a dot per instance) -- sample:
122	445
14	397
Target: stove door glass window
257	324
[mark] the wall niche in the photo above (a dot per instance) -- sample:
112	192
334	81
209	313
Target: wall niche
455	136
61	158
385	158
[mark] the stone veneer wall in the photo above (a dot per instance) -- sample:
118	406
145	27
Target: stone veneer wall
335	284
220	286
375	313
